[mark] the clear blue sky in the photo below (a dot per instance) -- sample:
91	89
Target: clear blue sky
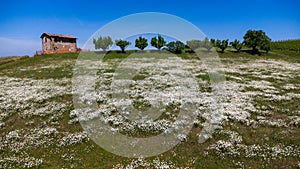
22	22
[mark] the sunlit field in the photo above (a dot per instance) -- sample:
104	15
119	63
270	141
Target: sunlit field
260	126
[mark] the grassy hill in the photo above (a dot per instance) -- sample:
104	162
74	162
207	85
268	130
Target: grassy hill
39	125
289	47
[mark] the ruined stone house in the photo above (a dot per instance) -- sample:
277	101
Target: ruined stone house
57	43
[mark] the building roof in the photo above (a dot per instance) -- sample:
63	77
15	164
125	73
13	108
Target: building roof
58	35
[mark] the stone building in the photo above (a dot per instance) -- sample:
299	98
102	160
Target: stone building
58	43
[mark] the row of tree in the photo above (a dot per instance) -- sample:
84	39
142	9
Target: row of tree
158	42
255	39
105	42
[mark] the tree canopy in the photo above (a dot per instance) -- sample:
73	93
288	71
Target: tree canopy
213	42
222	44
207	44
237	45
266	45
257	38
194	44
175	47
122	44
103	42
158	42
141	43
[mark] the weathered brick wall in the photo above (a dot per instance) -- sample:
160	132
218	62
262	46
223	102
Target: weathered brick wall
56	44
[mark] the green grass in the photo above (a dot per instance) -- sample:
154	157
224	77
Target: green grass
11	59
89	155
117	55
289	45
38	67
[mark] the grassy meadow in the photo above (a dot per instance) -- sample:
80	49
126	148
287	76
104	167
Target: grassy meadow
260	127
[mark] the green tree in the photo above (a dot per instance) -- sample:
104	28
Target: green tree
103	42
122	44
213	42
141	43
158	42
237	45
222	44
266	45
194	44
256	38
175	47
206	44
